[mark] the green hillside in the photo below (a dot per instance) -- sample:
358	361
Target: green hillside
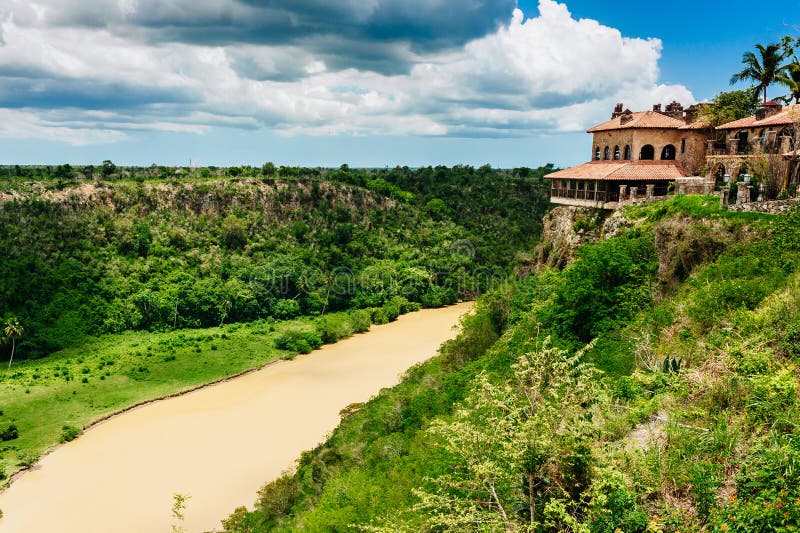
651	385
93	253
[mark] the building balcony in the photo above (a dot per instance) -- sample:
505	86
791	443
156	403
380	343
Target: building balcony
769	144
608	199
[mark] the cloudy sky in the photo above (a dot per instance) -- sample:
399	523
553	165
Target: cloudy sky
364	82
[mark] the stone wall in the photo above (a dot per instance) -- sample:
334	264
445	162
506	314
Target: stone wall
694	185
774	207
694	159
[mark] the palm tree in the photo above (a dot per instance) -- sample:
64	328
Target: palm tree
762	70
790	78
13	331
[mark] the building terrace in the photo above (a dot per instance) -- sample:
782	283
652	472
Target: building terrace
634	155
649	154
771	133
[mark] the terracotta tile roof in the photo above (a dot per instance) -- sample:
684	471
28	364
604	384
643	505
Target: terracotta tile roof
699	124
641	119
789	115
622	170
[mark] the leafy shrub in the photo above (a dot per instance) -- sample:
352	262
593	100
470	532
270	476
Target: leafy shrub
298	341
360	320
286	309
437	209
608	283
69	433
773	463
234	232
771	394
612	506
718	297
438	297
773	510
625	388
275	499
752	362
9	432
411	307
378	315
27	460
391	310
331	328
790	342
477	335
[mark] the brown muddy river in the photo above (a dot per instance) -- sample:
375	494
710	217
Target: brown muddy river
218	445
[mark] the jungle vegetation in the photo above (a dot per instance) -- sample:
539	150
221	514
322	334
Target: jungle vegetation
102	250
650	385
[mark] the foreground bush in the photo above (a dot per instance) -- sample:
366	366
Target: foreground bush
298	341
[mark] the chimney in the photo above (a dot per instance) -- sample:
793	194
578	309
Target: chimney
657	108
626	116
768	109
674	110
617	111
691	114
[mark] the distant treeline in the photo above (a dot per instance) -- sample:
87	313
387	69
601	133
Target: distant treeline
105	249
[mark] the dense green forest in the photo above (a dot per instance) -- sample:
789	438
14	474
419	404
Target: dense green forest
107	249
650	385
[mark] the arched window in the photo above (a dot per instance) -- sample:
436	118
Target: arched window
597	153
648	153
668	153
627	152
616	153
607	153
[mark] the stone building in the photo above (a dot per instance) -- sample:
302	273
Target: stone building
768	138
635	155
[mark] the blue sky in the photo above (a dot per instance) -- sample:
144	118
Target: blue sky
364	82
703	41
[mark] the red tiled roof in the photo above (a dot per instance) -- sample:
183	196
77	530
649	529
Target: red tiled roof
622	170
699	124
641	119
789	115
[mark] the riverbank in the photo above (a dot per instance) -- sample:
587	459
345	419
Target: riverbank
47	401
218	444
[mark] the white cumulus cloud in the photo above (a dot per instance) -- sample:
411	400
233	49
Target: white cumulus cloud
87	82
